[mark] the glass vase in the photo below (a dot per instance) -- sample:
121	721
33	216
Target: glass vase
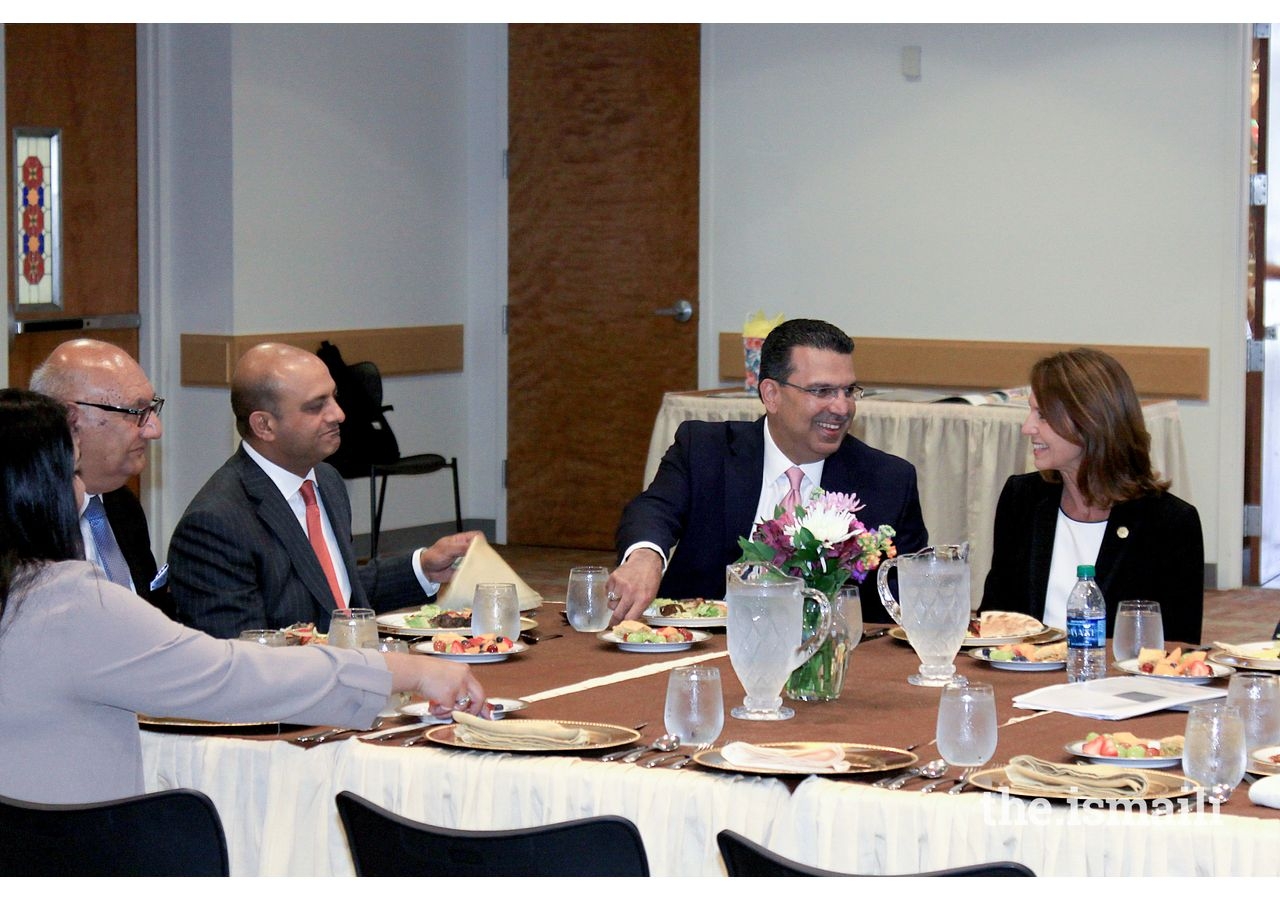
822	677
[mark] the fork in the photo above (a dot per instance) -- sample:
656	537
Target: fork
963	781
681	763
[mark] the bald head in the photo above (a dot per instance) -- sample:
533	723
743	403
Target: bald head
285	406
113	448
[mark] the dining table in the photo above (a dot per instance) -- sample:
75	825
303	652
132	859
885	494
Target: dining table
963	453
276	795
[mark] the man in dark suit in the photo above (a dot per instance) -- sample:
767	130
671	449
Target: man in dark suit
267	541
115	415
719	478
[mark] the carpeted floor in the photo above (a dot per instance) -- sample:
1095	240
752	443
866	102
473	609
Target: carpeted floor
1247	614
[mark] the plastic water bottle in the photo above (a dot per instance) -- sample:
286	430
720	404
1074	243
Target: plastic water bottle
1086	629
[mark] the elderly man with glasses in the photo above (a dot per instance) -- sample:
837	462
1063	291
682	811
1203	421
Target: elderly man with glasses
114	416
719	478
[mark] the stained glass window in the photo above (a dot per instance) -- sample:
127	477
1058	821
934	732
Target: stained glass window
36	155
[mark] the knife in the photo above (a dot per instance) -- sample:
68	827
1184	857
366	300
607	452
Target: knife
872	635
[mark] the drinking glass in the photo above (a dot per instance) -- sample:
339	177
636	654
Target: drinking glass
1257	696
267	637
354	628
1138	627
495	609
967	724
1213	753
695	704
586	603
397	699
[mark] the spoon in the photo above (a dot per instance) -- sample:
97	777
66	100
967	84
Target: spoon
932	769
666	743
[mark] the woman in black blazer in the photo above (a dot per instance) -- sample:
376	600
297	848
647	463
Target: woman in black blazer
1094	500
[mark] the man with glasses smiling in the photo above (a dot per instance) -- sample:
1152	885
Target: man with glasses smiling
719	478
114	416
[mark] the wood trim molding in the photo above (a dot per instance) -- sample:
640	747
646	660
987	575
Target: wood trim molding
208	359
1180	373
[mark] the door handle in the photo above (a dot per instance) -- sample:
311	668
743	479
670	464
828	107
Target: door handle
78	323
681	312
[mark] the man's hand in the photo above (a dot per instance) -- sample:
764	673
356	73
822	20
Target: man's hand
437	560
634	584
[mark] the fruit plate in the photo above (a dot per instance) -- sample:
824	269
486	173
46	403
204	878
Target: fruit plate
1076	748
654	618
1161	786
864	759
1130	667
474	659
982	654
670	647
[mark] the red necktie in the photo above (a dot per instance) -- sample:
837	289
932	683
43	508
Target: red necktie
792	499
315	533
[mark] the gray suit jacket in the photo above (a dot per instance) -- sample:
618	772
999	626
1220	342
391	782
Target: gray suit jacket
239	558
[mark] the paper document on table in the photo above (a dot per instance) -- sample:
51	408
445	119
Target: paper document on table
1115	698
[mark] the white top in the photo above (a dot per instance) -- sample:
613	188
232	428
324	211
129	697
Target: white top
1074	544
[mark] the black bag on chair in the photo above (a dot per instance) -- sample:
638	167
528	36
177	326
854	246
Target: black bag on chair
367	439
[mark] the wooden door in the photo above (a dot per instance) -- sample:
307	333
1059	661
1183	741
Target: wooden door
80	79
603	220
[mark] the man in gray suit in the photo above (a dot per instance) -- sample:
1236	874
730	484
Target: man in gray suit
267	540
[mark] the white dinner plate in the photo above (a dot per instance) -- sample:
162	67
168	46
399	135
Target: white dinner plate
474	659
1076	748
1044	636
674	647
1016	665
1130	667
651	616
393	623
500	707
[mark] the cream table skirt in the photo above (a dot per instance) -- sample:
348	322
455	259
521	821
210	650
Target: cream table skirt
963	455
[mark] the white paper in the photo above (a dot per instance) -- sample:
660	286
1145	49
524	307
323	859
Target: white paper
1116	698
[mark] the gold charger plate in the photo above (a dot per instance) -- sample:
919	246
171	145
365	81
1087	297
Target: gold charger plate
1047	636
1257	664
866	759
1161	786
601	736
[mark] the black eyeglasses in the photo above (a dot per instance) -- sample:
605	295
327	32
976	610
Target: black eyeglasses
143	415
850	391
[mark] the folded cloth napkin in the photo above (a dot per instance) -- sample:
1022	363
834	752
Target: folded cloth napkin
482	565
1103	782
524	734
809	758
1240	652
1266	792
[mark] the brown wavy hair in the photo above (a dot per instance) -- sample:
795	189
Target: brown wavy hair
1088	398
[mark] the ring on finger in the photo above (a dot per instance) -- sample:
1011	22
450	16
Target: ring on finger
611	596
462	703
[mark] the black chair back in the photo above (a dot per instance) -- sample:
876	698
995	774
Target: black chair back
383	843
155	835
744	857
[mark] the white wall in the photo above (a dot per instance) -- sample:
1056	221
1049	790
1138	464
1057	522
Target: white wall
335	177
1037	183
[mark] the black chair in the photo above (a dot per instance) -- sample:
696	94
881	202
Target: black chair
368	381
383	843
155	835
747	858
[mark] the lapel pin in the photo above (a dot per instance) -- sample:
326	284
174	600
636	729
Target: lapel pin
1122	532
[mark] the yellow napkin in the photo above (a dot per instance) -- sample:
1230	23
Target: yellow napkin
1103	782
482	565
508	734
809	758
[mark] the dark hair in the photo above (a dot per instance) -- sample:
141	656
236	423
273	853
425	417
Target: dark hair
1088	398
39	521
775	353
248	395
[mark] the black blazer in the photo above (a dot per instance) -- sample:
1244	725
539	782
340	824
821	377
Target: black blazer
705	495
239	558
1152	550
129	524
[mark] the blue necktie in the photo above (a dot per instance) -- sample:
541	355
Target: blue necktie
109	555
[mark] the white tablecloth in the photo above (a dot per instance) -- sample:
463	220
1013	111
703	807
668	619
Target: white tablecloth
276	802
963	455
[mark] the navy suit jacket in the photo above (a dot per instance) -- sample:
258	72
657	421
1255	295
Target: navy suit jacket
129	524
1159	557
240	559
705	495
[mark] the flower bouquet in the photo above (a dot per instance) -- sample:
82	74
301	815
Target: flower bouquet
823	542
